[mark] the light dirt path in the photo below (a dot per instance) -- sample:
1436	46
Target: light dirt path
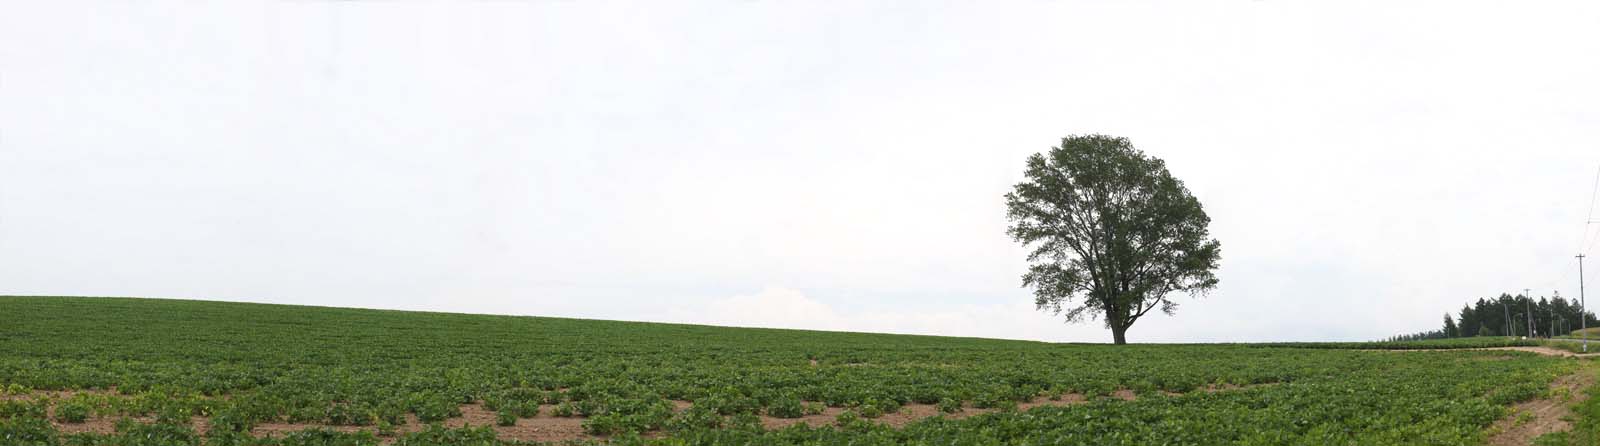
1530	419
1547	351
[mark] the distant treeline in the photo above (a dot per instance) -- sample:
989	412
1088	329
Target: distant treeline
1487	317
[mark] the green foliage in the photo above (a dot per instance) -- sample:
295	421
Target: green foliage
72	411
133	433
1111	233
434	408
1488	317
814	408
846	418
786	407
325	437
728	401
696	418
436	435
605	424
386	429
312	437
23	409
244	365
748	422
1575	347
28	431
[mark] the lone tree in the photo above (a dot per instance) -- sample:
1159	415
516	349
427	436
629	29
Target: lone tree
1112	233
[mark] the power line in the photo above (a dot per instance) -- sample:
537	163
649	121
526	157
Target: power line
1588	219
1592	192
1565	272
1584	245
1596	239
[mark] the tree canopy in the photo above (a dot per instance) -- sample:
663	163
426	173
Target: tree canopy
1552	316
1112	233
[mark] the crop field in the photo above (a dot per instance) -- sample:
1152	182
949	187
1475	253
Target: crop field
106	371
1594	333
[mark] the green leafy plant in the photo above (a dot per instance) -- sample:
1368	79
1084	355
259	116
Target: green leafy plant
606	424
786	407
566	409
814	408
73	411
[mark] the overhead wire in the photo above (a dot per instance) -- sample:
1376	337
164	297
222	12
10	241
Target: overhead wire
1588	219
1584	244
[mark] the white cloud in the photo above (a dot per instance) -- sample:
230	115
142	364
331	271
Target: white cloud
1367	166
772	308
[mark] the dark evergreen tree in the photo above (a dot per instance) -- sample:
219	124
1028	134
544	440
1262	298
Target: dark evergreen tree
1541	317
1490	321
1469	321
1553	316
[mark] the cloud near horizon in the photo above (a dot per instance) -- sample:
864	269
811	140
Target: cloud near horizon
779	307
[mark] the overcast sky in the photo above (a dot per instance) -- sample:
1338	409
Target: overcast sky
1367	165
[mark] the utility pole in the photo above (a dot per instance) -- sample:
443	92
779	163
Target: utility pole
1552	311
1583	307
1506	303
1528	294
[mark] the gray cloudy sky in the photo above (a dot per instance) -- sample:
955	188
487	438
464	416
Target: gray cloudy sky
1367	165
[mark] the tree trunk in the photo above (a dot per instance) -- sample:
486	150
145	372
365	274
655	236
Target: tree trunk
1119	335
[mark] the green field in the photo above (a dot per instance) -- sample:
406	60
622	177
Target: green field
1593	333
110	371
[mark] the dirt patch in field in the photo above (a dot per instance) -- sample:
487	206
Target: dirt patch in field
280	429
910	413
97	425
1063	400
818	420
543	427
1530	419
93	424
57	394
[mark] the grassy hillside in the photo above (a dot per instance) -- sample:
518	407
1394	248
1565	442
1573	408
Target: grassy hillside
243	367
